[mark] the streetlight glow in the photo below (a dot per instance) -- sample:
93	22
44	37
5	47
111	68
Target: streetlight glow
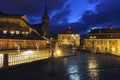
58	53
74	37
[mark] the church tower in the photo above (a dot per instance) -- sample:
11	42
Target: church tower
45	22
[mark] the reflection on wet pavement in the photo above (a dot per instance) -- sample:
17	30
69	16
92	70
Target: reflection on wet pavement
85	66
73	72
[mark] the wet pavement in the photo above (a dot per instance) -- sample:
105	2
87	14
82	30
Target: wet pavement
84	66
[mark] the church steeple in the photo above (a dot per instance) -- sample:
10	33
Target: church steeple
45	15
45	22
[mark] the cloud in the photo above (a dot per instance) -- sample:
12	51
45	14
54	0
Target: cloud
105	13
33	7
61	17
92	1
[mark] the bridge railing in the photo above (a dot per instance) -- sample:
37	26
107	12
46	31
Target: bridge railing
23	57
16	58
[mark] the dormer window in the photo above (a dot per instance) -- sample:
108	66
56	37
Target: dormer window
5	32
12	32
26	32
17	32
23	32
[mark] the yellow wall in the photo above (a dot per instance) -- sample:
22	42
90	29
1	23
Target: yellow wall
103	45
68	39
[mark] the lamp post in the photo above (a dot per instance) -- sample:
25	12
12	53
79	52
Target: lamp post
6	56
92	48
37	46
17	45
51	47
18	48
74	37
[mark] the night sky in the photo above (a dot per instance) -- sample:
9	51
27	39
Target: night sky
79	14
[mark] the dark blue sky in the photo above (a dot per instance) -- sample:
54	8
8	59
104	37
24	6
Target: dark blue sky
79	14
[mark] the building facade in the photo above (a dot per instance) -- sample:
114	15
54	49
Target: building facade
69	38
15	32
103	40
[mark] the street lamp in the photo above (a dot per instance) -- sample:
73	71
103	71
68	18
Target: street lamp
17	45
51	47
18	48
37	45
92	48
74	37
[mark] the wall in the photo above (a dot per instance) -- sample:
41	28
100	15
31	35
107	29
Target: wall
24	44
68	39
103	45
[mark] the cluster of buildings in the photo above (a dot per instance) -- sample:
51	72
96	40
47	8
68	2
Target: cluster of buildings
104	40
15	31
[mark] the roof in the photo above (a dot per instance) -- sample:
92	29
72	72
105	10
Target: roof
106	30
105	33
38	28
31	36
10	15
68	31
19	16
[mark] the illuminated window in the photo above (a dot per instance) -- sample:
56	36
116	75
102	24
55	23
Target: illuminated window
26	32
23	32
17	32
12	32
76	35
90	37
68	37
4	32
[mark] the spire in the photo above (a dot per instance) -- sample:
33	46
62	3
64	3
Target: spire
45	11
69	27
45	15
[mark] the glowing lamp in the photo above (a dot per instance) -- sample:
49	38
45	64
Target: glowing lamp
58	52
